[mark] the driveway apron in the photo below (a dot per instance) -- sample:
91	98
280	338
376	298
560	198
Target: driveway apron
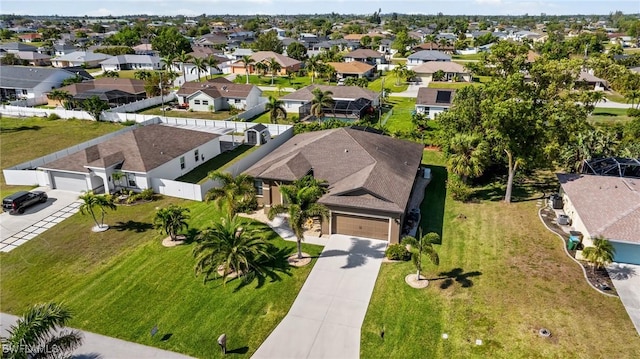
326	317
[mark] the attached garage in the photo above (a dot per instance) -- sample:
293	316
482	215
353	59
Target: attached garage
67	181
360	226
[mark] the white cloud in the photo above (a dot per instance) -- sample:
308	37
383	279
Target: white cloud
101	12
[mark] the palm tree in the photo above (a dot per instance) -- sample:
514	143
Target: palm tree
468	155
262	68
247	61
430	39
212	63
117	179
398	72
39	334
182	59
423	245
111	74
231	246
171	220
142	75
600	254
167	62
274	67
235	191
199	65
442	43
275	108
321	99
633	97
313	65
91	202
300	200
59	95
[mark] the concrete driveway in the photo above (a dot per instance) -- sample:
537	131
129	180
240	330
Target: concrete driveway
326	317
19	228
626	279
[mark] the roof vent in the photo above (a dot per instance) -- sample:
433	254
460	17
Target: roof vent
346	150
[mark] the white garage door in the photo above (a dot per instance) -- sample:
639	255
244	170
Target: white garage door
69	181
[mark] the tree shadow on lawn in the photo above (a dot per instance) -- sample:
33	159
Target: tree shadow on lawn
273	269
526	187
138	227
19	129
432	207
456	275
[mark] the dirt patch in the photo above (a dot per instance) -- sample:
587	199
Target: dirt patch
299	262
167	242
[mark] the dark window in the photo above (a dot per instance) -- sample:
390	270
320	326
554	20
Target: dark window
182	163
258	185
197	155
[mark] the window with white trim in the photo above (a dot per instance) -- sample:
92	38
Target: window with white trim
182	165
196	154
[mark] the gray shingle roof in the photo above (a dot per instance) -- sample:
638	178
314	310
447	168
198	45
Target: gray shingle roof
364	170
339	92
24	77
608	206
428	96
429	55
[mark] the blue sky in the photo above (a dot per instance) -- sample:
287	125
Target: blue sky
248	7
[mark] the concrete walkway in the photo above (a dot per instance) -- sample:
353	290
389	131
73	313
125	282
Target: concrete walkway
326	318
626	279
99	346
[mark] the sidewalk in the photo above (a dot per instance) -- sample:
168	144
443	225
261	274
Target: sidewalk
103	347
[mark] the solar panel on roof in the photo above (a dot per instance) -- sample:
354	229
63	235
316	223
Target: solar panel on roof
443	97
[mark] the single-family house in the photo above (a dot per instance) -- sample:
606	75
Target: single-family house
240	52
63	49
287	64
593	82
432	101
131	62
22	82
366	56
451	71
607	206
370	178
30	37
347	100
85	59
353	69
218	94
34	58
15	47
423	56
148	152
434	46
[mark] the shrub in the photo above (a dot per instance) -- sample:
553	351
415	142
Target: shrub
397	252
147	194
249	205
53	117
633	112
129	123
459	191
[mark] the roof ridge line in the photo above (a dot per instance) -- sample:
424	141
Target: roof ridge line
617	219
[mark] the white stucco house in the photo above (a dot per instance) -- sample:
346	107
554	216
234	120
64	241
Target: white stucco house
142	154
131	62
607	206
218	94
432	101
24	82
294	100
423	56
85	59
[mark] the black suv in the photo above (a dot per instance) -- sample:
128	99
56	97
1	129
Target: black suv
18	201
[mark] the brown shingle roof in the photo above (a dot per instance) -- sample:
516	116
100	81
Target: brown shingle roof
353	67
339	92
364	170
140	150
284	61
607	206
216	88
428	96
131	86
364	54
433	66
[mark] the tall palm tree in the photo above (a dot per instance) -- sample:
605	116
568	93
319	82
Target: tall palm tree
468	156
142	75
247	61
321	99
398	72
262	68
430	39
100	202
39	334
421	246
234	191
212	63
167	62
600	254
199	65
275	108
171	220
274	68
633	97
182	59
232	246
300	200
313	65
442	43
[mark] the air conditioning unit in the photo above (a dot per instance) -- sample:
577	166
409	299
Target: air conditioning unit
426	173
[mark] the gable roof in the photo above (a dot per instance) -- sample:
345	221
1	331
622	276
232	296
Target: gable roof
364	54
353	67
17	46
607	205
428	96
284	61
25	77
429	55
139	150
131	59
216	88
339	92
361	168
430	67
84	56
132	86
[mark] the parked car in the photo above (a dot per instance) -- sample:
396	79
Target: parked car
19	201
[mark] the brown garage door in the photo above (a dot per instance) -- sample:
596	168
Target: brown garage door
377	228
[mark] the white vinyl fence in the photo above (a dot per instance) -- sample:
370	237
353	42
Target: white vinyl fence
145	103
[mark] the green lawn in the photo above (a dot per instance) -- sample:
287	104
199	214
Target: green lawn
389	83
218	115
282	81
43	137
452	85
502	276
609	115
615	97
475	57
123	282
400	119
220	162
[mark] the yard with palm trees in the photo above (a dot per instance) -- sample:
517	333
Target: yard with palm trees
123	282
